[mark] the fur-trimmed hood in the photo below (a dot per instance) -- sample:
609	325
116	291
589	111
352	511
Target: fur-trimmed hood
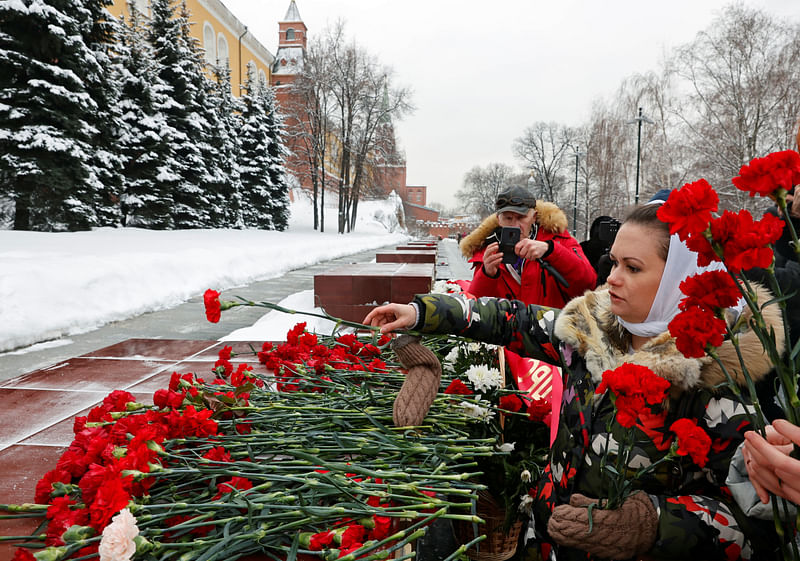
587	324
548	216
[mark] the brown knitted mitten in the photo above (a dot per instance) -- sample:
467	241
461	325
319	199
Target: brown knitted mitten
421	384
621	533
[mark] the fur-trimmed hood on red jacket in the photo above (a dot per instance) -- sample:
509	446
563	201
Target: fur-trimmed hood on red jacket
548	216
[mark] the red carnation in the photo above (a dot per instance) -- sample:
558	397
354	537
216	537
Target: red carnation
694	329
234	483
111	497
23	555
692	440
45	485
511	402
383	526
710	290
538	410
633	388
457	387
321	540
354	534
688	210
226	352
213	307
764	176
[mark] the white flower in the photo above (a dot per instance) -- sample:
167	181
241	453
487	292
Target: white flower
117	541
474	347
525	476
506	447
452	356
525	502
475	411
445	287
484	378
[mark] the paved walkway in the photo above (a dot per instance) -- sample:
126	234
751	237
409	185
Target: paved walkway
187	321
41	391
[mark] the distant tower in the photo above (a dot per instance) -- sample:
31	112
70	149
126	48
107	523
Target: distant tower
291	47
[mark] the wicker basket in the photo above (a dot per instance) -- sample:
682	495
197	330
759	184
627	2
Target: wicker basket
499	545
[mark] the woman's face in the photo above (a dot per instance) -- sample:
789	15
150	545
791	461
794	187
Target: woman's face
514	220
636	271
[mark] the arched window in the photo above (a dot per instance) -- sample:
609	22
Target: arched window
262	78
222	49
209	44
290	34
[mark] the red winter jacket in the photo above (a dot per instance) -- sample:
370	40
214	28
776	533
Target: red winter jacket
537	285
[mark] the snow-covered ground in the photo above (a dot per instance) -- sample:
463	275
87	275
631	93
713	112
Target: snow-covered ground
54	285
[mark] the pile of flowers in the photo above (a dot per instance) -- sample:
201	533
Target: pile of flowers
298	459
519	425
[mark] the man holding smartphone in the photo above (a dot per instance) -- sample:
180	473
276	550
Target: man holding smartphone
545	266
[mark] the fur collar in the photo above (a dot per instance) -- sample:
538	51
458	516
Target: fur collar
549	217
587	324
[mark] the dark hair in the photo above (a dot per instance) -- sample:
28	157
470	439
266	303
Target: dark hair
646	215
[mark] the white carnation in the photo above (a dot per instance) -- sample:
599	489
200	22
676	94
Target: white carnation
477	412
117	543
440	287
452	356
506	447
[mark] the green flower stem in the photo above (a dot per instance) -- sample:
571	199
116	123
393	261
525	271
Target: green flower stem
24	507
758	420
781	200
767	339
324	315
461	552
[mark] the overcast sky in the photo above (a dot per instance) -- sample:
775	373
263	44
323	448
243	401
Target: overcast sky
481	72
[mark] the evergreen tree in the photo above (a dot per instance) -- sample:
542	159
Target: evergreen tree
179	70
228	144
101	33
279	191
145	142
46	115
254	158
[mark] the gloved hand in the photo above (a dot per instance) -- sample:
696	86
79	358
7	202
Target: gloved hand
620	533
421	384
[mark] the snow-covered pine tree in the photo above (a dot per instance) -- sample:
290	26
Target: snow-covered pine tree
179	70
228	145
279	190
46	115
214	184
101	31
146	138
254	158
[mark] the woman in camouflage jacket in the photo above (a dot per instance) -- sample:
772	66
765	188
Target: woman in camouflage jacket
684	511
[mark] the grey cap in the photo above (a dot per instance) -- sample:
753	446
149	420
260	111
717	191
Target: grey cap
515	199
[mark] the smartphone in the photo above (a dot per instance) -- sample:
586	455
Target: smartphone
508	239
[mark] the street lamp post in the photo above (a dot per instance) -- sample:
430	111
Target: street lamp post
640	119
578	154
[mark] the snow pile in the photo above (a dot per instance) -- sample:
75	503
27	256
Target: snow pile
56	284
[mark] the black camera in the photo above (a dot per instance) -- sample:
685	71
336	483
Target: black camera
607	231
508	239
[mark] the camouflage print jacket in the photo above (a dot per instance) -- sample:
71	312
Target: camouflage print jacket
697	517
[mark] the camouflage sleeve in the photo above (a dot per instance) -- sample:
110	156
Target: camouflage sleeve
526	330
708	523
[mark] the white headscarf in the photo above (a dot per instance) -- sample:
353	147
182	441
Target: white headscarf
681	264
